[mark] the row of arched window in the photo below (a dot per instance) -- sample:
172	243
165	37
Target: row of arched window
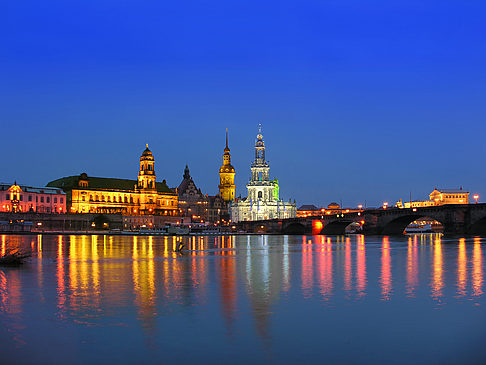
115	199
124	199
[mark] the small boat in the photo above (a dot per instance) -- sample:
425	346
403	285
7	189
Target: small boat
419	228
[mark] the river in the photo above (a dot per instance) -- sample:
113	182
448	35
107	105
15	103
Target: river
244	299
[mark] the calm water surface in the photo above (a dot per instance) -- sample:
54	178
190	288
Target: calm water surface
259	299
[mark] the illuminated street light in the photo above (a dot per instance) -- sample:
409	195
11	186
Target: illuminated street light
385	205
360	207
476	197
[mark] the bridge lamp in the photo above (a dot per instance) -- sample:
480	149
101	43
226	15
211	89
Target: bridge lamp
385	205
360	206
476	197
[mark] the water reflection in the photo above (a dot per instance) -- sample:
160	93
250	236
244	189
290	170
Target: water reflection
437	283
462	268
385	278
361	280
477	271
90	279
412	266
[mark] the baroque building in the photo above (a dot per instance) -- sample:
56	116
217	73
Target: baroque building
86	194
438	197
263	201
22	199
227	185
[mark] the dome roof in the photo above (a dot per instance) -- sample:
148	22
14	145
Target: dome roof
227	168
333	205
147	153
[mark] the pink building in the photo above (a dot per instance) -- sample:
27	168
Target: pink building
16	198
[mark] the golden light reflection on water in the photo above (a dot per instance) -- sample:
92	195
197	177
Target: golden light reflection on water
437	283
95	274
461	268
477	269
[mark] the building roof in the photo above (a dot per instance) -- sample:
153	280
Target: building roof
452	191
31	189
308	207
104	183
188	187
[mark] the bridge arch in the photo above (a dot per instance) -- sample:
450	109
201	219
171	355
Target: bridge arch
294	228
478	227
397	226
337	227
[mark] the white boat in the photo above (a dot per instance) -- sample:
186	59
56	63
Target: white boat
419	228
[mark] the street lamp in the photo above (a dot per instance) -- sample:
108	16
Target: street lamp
385	205
476	197
360	207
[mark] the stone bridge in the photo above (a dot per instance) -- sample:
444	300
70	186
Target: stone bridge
456	219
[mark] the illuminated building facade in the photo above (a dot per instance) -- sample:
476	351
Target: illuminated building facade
438	197
227	185
108	195
192	202
197	207
21	199
308	210
263	201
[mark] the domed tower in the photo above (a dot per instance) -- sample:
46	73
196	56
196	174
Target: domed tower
260	187
227	176
146	175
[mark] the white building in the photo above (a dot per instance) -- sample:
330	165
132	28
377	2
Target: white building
263	200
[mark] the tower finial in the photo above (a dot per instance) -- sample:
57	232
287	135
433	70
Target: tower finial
259	128
146	145
226	137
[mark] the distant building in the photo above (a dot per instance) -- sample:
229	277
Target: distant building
143	196
308	210
20	199
217	210
227	185
262	201
438	197
192	202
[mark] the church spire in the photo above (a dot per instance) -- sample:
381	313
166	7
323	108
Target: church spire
227	175
226	149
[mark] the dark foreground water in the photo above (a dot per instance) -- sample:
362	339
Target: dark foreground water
244	299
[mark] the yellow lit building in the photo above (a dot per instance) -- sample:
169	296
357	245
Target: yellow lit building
438	197
131	197
449	196
227	185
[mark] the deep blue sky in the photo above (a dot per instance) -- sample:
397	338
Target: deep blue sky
359	100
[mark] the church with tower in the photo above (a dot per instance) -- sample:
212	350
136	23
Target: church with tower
227	185
263	201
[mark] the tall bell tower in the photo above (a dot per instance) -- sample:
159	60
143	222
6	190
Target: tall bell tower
227	185
146	175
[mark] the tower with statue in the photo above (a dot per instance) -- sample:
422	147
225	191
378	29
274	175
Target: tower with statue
263	201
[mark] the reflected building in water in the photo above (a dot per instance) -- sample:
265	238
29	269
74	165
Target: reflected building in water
99	276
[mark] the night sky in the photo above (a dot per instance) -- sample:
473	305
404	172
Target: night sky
360	101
